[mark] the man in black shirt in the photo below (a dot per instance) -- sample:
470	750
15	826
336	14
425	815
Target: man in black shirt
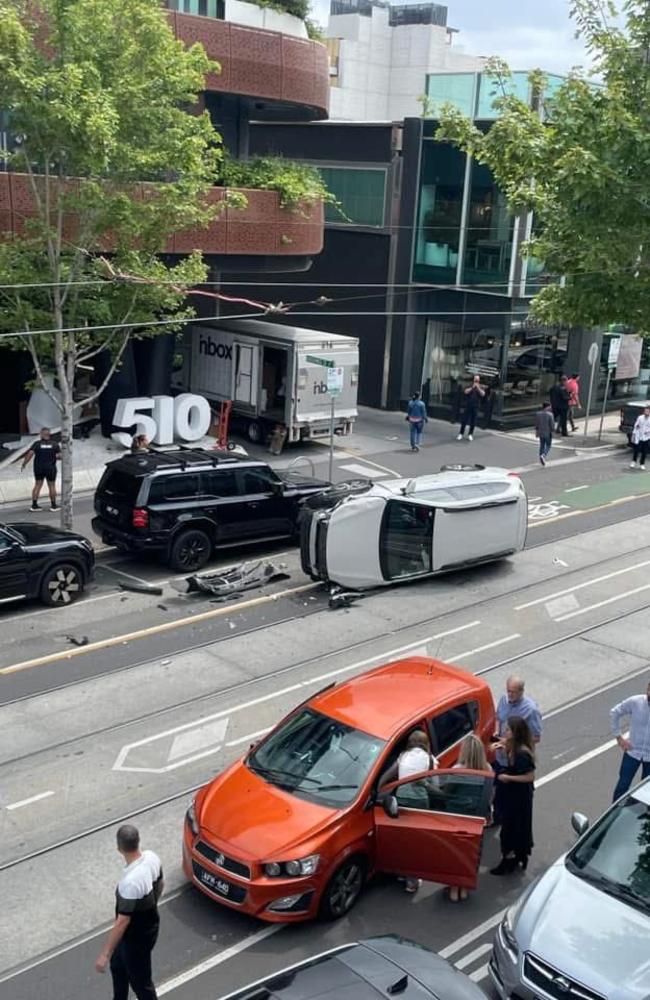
45	453
133	935
560	397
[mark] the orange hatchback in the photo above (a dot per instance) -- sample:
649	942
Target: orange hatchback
294	828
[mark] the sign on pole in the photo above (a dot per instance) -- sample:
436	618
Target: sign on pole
614	351
323	362
335	381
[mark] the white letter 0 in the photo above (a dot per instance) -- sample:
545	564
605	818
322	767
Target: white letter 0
192	416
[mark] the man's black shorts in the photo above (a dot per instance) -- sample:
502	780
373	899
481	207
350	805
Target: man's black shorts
48	474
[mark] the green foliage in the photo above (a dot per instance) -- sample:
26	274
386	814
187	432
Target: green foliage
580	161
314	30
296	183
299	8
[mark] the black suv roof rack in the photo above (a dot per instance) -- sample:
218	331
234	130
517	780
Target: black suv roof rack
150	461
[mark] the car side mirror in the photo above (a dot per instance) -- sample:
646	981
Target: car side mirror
277	487
390	805
580	823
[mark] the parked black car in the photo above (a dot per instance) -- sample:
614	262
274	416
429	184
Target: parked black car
378	967
43	562
184	504
629	413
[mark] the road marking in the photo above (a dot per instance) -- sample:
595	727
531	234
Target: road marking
575	489
472	935
466	960
211	735
248	736
588	510
594	694
143	633
559	771
561	605
363	470
481	649
120	764
28	802
581	586
368	461
601	604
218	959
480	974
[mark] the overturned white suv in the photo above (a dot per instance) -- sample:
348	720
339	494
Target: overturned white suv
387	532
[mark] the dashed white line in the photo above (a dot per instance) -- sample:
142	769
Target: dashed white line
480	974
472	935
28	802
601	604
581	586
488	645
575	489
218	959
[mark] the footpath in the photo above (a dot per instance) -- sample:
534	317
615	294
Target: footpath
377	433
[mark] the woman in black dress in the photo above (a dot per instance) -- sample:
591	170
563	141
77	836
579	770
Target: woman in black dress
518	778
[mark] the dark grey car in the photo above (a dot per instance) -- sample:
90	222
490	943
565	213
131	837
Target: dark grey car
378	967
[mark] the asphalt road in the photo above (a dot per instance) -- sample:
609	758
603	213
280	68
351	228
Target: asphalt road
169	689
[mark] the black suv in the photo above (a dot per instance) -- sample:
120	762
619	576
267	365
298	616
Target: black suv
185	503
43	562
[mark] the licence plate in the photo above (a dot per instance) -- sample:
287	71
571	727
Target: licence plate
219	886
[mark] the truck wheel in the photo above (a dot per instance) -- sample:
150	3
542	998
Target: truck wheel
190	551
343	889
254	431
61	585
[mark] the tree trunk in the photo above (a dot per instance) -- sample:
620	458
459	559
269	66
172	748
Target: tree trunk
66	463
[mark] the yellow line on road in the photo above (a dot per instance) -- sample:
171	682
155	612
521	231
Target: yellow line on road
143	633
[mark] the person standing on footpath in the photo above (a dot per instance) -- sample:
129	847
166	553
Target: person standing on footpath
544	431
636	746
416	414
516	780
641	439
515	702
573	385
133	935
45	453
473	396
560	396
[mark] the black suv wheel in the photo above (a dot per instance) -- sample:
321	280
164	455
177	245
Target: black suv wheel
190	551
61	585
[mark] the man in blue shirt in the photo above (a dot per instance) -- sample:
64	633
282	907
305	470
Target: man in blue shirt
636	746
515	702
416	414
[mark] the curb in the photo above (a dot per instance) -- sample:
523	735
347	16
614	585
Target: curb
20	487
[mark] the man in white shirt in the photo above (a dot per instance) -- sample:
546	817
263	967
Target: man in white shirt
135	930
641	439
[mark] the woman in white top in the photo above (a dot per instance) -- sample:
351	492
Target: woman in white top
641	439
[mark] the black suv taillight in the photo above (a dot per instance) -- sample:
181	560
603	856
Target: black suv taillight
140	518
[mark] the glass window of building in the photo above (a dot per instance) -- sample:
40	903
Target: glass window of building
536	356
489	232
442	178
206	8
489	89
360	192
458	89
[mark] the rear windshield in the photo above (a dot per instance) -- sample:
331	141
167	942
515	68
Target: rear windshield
121	485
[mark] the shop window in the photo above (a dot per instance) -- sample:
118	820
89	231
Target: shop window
455	352
360	192
458	89
206	8
536	355
489	232
439	213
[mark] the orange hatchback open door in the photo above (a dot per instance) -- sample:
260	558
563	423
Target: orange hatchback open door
430	826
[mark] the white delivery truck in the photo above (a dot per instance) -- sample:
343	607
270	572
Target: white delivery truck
273	374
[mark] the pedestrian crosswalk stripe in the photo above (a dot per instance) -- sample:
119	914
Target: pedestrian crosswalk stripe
364	470
480	974
466	960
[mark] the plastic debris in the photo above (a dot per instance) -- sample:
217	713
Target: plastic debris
234	579
81	641
141	588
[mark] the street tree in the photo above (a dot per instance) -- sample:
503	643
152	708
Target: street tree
114	157
578	157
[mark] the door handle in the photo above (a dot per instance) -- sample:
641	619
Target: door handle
253	503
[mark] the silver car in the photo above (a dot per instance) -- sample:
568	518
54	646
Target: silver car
582	931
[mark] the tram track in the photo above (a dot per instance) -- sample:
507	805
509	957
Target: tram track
189	790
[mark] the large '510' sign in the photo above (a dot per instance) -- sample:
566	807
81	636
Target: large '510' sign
162	419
